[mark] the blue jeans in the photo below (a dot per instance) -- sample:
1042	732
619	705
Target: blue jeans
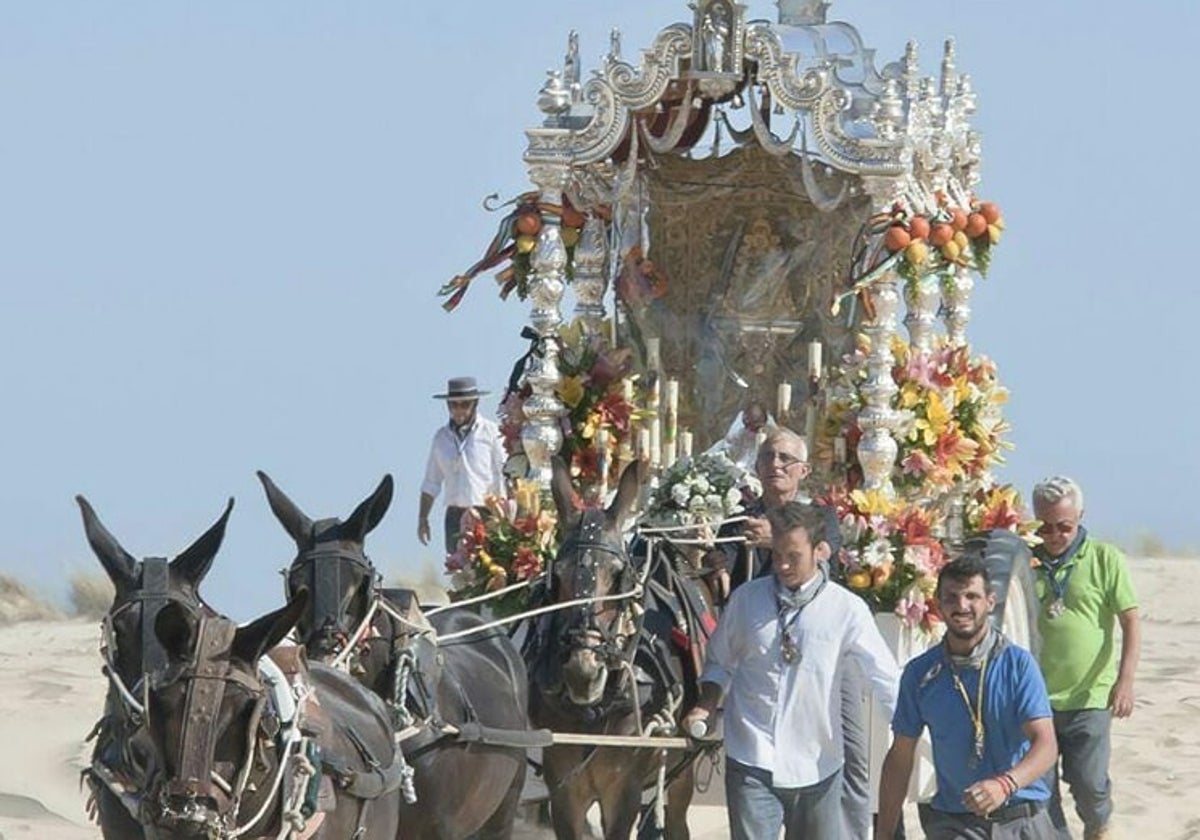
758	809
1084	747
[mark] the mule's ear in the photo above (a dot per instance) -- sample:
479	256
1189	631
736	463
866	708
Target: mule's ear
117	562
193	562
369	513
173	628
293	520
627	496
259	636
564	495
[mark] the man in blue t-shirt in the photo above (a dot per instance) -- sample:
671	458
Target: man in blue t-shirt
985	703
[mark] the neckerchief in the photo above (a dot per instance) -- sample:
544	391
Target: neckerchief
980	653
787	600
461	433
1053	565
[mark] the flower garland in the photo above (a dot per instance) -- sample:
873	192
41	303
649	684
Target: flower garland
917	244
504	546
999	506
889	555
951	432
950	437
598	388
514	243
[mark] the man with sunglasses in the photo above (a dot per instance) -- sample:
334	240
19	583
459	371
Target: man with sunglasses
466	459
1084	590
782	466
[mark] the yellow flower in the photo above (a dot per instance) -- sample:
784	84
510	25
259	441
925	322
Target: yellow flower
872	502
962	389
570	390
572	334
590	426
935	421
910	395
859	580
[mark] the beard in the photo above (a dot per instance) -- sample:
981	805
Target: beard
966	633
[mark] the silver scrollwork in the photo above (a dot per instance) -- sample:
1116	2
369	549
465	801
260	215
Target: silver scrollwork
956	304
591	278
877	448
541	436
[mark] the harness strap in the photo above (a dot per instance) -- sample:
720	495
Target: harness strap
206	688
371	783
153	595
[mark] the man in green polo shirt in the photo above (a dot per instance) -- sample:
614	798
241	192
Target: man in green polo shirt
1084	589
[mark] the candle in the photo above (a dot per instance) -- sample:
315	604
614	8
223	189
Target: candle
655	444
839	449
814	360
602	458
671	417
810	425
643	444
627	390
784	401
653	353
685	444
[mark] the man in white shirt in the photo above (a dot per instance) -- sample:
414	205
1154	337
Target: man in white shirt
777	658
466	459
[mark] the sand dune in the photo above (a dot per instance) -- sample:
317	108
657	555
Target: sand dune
52	691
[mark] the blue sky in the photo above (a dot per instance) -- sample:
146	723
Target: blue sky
222	225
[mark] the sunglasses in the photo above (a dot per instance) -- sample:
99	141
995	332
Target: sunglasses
1058	528
785	459
460	403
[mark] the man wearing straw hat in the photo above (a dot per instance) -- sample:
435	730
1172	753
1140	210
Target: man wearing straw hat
466	459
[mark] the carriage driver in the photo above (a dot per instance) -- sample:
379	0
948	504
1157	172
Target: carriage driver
466	457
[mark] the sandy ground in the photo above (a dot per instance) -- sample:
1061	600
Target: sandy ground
51	692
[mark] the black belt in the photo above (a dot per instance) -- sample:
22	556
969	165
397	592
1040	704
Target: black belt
1017	811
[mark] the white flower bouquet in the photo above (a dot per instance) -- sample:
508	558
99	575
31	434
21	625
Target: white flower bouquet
704	490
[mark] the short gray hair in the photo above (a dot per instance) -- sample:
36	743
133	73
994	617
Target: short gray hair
1051	491
781	433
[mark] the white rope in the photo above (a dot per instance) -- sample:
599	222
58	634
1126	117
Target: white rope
636	592
275	785
131	701
667	529
416	629
479	599
339	661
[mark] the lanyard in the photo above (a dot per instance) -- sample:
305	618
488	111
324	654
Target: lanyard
975	712
789	648
1059	587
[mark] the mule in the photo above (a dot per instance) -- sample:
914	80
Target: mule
238	760
607	667
122	761
465	784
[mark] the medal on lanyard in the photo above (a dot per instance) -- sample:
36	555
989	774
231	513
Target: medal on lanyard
975	713
1058	604
789	651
